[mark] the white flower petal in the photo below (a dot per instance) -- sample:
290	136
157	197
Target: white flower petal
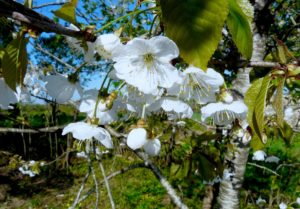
149	61
7	95
106	44
223	113
60	89
283	206
137	138
164	48
259	155
152	147
104	137
272	159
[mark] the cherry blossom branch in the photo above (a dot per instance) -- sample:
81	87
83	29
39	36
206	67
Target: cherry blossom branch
155	170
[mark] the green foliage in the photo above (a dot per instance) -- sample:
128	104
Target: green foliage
278	103
239	28
14	61
195	26
255	99
68	12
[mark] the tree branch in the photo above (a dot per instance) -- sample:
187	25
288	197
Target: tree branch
41	23
48	4
34	131
38	47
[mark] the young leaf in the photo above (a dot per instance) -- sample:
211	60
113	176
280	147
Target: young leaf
286	132
260	105
14	62
67	12
239	28
278	103
255	99
250	99
256	143
195	26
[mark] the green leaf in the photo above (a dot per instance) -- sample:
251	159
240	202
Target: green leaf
255	99
67	12
195	26
28	3
256	143
260	105
239	28
14	62
278	103
2	52
250	99
286	132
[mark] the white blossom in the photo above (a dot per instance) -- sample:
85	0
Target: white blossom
198	85
283	206
23	94
137	138
298	200
78	46
60	88
84	131
259	155
106	44
260	201
223	113
145	64
272	159
173	106
105	115
7	95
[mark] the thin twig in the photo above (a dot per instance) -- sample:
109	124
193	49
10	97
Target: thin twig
287	165
95	181
48	4
76	201
34	131
112	175
263	167
38	47
164	182
107	185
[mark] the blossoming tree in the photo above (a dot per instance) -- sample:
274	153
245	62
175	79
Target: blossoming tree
168	73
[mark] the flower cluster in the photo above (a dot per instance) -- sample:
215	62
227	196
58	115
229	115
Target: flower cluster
153	84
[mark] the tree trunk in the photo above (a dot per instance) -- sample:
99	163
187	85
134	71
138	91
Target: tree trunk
236	158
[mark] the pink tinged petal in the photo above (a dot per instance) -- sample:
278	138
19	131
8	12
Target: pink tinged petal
137	138
104	138
152	147
164	48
